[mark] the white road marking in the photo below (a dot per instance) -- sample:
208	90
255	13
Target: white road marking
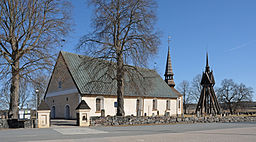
77	130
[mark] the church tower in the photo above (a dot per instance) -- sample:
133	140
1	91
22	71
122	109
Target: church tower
168	70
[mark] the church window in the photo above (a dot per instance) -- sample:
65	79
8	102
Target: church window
179	104
168	105
60	84
115	104
154	104
139	107
98	104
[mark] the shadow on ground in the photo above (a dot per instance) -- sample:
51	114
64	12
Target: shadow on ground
62	122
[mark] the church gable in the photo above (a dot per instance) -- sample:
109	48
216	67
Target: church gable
61	82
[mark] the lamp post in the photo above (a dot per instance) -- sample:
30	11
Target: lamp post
37	103
37	98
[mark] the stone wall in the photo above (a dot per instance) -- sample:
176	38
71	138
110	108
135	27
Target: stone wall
133	120
4	123
14	123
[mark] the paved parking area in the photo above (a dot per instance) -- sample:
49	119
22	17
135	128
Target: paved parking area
178	132
77	131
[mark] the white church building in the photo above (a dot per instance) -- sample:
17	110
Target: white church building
77	77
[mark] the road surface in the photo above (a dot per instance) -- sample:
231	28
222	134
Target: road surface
225	132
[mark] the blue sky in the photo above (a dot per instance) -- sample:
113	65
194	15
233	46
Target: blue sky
224	28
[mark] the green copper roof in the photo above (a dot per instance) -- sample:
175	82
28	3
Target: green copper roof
96	76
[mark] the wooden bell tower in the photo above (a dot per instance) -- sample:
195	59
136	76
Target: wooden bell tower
208	103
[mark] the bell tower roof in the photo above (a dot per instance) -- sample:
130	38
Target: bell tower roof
207	68
168	70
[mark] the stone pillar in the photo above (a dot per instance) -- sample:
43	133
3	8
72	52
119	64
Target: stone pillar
43	120
43	115
83	114
83	117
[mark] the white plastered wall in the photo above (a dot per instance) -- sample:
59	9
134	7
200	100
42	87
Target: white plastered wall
130	106
161	106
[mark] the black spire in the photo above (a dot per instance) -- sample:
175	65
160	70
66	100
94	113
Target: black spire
207	68
168	70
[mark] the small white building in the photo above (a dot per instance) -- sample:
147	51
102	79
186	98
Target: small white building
77	77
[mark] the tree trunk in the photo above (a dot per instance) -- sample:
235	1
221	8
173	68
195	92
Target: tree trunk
185	108
120	85
184	102
230	108
14	98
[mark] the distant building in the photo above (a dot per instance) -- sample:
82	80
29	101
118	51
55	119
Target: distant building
76	77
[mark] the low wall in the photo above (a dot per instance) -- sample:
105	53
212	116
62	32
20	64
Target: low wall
133	120
4	123
14	123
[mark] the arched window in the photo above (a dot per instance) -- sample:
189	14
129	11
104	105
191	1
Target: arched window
168	105
179	104
155	104
98	105
139	107
60	84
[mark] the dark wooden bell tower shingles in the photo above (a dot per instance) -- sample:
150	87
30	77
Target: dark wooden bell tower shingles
208	103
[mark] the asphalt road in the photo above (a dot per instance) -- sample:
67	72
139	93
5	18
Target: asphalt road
178	132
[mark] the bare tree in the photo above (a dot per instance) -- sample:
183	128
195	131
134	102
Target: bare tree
232	94
24	93
196	88
184	89
27	91
123	33
39	83
29	31
4	95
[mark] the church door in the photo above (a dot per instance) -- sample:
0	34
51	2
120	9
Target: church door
67	112
53	112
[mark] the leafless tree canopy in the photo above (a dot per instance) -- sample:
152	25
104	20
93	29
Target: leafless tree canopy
232	94
123	33
4	94
29	32
39	83
196	88
184	89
